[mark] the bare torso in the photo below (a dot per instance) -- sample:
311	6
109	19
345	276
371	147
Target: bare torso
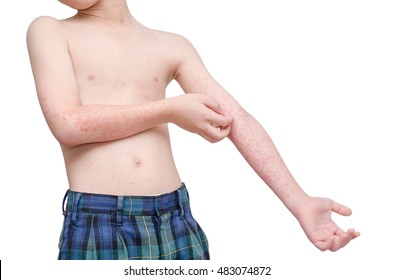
122	67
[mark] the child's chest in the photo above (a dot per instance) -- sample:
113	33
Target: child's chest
119	70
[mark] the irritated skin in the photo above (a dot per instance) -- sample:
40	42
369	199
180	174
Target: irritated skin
107	108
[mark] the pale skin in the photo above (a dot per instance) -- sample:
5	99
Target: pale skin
101	78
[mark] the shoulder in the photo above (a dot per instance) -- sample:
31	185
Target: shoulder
43	22
181	50
182	54
45	36
176	41
173	37
44	27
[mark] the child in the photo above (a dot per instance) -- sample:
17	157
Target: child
101	78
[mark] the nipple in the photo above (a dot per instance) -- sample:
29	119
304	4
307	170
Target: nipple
91	77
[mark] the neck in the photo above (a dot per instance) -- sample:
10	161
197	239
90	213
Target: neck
114	12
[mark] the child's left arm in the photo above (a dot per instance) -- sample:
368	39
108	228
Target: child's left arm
253	142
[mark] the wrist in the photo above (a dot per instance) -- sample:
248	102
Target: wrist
296	205
169	110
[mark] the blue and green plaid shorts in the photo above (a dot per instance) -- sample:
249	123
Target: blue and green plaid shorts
111	227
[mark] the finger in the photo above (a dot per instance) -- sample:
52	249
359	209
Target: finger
226	121
341	209
211	139
214	134
342	240
220	120
333	244
354	234
212	103
324	245
208	138
225	131
339	232
337	241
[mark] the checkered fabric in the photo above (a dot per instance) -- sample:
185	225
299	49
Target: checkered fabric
110	227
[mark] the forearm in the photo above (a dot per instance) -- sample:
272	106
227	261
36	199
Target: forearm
258	149
101	123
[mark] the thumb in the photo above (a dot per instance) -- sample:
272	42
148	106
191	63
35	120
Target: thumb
341	209
212	104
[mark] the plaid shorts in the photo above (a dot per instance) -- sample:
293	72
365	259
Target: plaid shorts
111	227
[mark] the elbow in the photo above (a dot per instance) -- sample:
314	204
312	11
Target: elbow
69	131
66	137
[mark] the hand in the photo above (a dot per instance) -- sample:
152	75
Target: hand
200	113
315	219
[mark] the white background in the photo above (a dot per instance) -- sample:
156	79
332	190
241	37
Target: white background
316	74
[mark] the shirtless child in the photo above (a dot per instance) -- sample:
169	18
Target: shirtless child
101	78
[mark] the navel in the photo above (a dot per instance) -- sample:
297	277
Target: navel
138	162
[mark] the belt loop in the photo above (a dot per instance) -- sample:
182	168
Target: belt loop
119	214
64	209
75	202
179	200
156	212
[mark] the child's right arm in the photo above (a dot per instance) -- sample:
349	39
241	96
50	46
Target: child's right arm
73	123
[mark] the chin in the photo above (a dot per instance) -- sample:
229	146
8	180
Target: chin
79	4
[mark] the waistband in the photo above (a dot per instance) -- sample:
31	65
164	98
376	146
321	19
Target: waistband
126	205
